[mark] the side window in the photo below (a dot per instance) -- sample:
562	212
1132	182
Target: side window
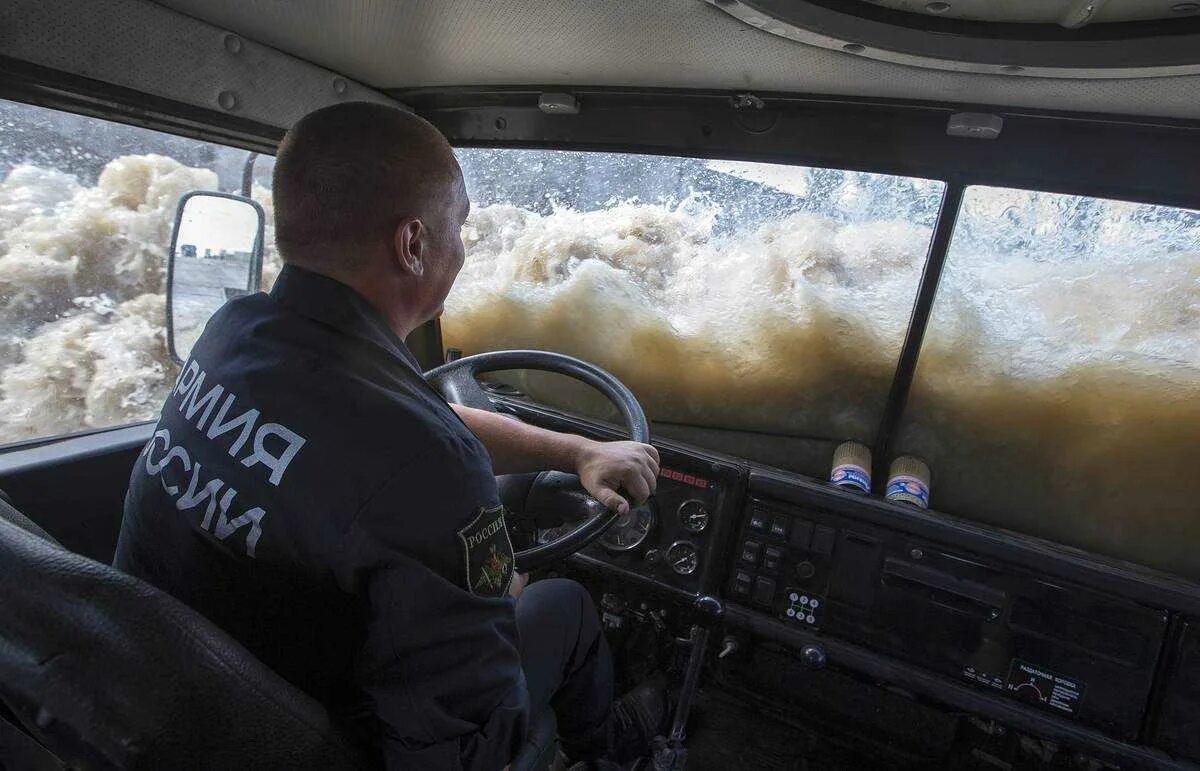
86	209
1058	389
766	300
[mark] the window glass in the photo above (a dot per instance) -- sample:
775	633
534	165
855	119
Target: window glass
748	296
1058	390
86	209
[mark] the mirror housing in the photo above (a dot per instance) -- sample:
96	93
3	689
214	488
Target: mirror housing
216	255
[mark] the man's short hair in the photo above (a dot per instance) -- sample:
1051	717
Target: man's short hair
346	174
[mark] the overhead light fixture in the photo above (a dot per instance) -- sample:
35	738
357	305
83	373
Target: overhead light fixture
558	104
974	125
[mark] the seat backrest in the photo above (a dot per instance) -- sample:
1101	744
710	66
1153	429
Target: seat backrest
109	672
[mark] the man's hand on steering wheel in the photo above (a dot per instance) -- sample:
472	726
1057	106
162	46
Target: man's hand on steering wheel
605	474
617	474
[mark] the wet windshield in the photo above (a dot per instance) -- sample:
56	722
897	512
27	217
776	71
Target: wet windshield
758	297
1058	390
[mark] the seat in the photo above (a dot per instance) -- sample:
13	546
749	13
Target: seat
105	671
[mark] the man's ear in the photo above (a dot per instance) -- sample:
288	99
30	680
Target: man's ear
409	246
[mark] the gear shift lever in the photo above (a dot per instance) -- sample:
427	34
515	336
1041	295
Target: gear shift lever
669	752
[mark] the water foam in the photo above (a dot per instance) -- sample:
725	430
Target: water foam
82	283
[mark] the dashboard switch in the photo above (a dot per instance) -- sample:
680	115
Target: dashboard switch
779	527
750	552
772	558
742	582
764	591
802	531
822	540
758	522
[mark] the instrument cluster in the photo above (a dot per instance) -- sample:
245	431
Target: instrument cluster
672	538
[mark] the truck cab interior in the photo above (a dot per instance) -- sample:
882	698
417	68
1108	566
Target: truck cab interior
962	235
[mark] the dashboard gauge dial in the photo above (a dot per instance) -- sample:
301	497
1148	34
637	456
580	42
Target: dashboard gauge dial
693	516
683	557
630	529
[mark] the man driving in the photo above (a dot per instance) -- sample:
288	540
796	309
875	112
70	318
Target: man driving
310	493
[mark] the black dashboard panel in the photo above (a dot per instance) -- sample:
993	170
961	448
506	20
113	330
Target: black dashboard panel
1063	648
1051	641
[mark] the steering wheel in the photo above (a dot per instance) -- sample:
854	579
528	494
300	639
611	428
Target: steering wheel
550	493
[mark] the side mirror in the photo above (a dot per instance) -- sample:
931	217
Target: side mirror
216	255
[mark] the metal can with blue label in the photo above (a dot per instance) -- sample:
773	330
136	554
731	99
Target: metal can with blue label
908	482
852	467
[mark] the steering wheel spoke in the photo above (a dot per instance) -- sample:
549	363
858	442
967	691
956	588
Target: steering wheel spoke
459	386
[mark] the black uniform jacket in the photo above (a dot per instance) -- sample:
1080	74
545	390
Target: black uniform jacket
308	492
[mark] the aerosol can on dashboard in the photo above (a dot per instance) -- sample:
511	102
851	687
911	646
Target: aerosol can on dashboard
908	482
852	467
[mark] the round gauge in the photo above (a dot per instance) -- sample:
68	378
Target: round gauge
683	557
630	529
693	516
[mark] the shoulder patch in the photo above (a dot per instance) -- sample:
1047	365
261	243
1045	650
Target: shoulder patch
487	553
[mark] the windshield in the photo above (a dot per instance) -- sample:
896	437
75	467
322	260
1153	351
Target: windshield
1058	390
764	298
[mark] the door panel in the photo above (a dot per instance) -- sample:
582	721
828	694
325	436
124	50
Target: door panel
75	487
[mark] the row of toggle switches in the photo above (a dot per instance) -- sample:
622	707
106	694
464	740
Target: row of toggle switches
799	533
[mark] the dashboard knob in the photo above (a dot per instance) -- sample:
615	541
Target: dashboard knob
813	656
653	556
805	570
708	610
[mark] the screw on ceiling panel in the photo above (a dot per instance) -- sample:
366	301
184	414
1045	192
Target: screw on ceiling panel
339	86
1012	68
233	44
228	100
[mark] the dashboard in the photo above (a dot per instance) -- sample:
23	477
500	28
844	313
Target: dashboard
1045	639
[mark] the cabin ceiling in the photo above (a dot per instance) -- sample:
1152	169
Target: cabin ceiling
402	44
